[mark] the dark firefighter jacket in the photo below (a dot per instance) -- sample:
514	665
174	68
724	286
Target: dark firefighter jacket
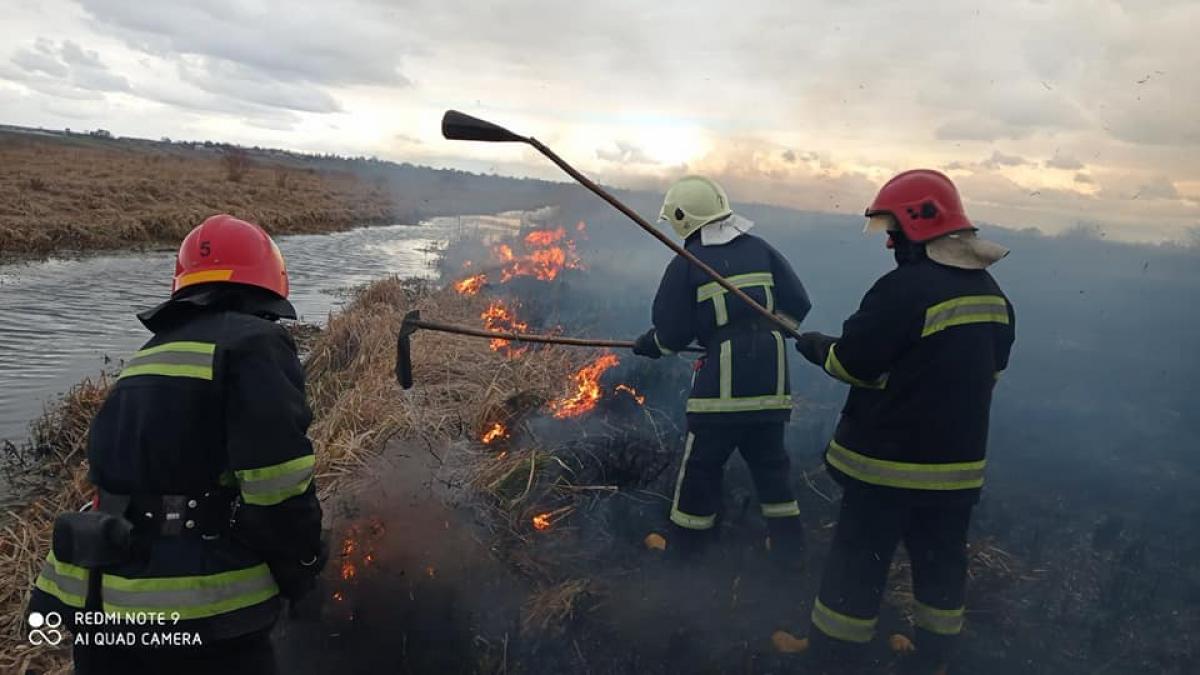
922	355
744	375
213	403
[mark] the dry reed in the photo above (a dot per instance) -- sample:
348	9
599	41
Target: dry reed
463	386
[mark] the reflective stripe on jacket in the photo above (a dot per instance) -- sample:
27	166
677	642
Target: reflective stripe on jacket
744	375
922	355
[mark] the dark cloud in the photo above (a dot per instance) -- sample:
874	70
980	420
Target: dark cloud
64	69
77	56
1064	162
625	153
789	156
236	82
39	61
1127	187
327	43
999	159
1084	179
977	128
192	100
1160	187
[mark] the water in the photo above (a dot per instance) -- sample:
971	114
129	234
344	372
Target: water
61	320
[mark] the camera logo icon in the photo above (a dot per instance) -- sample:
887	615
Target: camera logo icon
44	629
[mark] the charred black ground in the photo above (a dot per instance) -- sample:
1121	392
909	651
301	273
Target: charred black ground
1073	569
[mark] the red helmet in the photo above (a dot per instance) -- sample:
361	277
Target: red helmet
225	249
925	204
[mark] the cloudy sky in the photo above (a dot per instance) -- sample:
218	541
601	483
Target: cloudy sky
1048	114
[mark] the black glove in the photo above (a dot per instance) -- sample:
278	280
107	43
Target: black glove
296	578
814	346
647	346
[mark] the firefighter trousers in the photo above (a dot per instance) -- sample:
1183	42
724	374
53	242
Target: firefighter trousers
869	528
698	486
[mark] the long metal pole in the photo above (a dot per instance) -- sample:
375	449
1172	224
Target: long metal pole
524	337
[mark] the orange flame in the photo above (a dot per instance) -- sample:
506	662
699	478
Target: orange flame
504	252
349	571
497	317
471	285
641	400
544	238
497	432
587	389
541	521
352	547
549	252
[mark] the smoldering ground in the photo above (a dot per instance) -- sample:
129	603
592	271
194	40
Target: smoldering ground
1085	535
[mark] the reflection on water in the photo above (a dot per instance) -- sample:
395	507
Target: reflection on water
63	319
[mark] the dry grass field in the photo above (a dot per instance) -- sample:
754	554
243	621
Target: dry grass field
71	194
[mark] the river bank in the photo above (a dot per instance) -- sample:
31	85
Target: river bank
65	194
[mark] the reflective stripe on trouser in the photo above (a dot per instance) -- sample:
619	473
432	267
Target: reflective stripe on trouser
909	475
173	359
781	509
843	626
939	621
192	597
64	581
691	521
964	310
698	488
269	485
868	530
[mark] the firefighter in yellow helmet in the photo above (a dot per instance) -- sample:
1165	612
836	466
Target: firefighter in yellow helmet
741	397
205	512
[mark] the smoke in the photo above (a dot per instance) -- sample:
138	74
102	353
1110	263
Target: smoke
1089	490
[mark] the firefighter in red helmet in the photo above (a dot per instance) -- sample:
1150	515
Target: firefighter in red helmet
205	512
921	355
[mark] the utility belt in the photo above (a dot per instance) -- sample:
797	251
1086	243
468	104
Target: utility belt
115	529
749	326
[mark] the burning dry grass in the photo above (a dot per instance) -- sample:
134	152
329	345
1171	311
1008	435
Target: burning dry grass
463	387
466	391
84	194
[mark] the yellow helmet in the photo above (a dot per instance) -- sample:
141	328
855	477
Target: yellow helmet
693	202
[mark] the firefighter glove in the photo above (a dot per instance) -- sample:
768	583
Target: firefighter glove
814	346
647	345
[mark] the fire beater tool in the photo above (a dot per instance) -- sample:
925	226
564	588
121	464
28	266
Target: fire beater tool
463	127
413	322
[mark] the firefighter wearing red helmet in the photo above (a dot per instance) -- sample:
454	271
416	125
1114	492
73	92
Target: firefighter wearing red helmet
921	355
206	513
